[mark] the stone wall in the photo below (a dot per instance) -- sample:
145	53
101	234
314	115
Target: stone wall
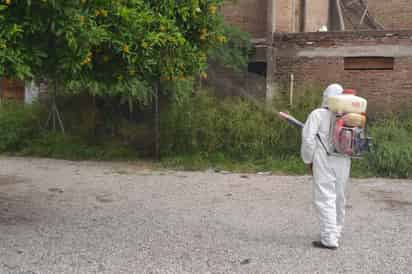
318	59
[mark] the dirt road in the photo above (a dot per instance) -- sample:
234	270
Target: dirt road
87	217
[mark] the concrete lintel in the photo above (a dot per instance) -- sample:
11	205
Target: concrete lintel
342	35
260	54
350	51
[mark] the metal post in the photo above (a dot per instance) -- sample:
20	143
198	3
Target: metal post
292	83
157	120
293	16
340	14
271	18
302	16
271	85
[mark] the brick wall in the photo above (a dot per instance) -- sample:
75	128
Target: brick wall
393	14
10	89
318	59
317	14
284	15
249	15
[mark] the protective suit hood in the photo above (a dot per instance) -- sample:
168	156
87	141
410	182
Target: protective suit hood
331	90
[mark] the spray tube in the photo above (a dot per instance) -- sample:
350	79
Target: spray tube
293	121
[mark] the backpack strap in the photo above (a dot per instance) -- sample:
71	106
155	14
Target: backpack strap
320	139
323	144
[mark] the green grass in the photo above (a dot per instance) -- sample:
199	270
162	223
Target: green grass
56	145
291	166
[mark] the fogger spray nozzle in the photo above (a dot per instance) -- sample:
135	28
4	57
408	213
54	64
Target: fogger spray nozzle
283	115
291	120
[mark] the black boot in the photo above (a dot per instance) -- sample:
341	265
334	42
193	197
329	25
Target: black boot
319	244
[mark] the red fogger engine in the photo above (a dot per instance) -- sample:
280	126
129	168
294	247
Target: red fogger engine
347	134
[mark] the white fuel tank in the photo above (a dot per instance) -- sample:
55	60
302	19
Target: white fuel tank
347	103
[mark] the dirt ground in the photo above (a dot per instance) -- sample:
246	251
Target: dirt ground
91	217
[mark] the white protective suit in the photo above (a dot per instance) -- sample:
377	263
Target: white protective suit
330	173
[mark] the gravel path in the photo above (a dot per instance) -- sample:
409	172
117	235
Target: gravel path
88	217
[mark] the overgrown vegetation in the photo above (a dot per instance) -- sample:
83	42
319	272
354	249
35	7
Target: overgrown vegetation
232	126
18	125
392	153
199	133
95	133
56	145
235	134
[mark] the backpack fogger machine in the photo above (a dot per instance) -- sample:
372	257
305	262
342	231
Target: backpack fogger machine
348	130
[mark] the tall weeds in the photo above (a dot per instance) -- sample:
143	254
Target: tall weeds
236	127
237	130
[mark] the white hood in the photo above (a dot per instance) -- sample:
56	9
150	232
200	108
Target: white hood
331	90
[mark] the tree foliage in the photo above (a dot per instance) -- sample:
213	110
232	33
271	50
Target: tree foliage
235	51
108	47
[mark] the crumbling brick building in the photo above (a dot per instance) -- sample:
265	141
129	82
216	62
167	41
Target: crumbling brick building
260	17
365	45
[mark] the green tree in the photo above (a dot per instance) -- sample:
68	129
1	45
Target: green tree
108	47
126	48
13	60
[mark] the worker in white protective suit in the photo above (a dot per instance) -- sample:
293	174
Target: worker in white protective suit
330	173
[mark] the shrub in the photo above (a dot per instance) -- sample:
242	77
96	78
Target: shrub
18	124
